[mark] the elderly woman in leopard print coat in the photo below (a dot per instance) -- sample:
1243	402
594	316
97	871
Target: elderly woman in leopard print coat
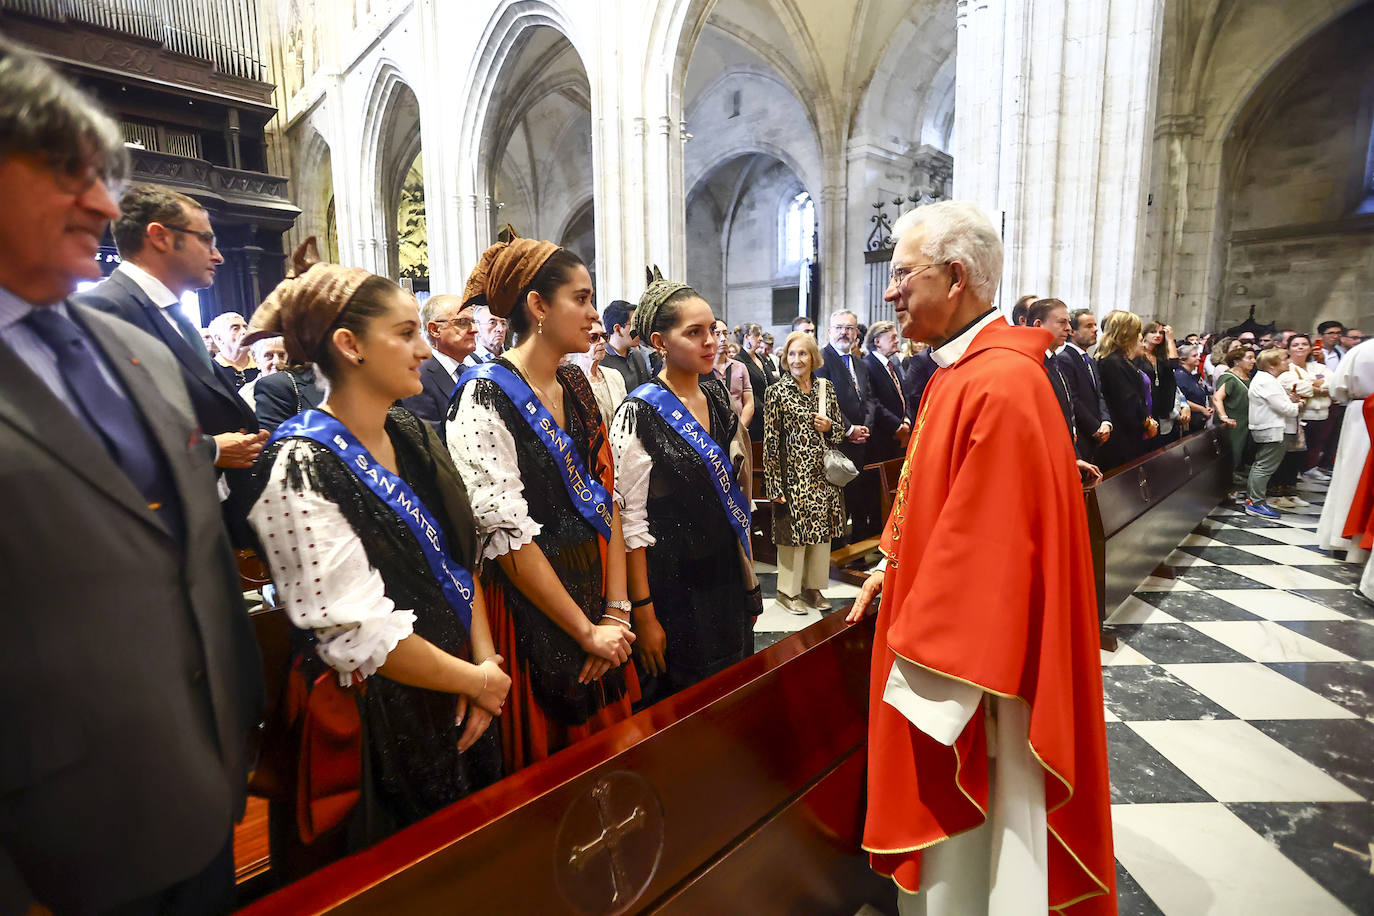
807	510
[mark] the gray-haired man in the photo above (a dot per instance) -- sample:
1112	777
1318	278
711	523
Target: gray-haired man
127	663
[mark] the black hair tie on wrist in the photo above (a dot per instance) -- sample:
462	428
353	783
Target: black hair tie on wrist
642	602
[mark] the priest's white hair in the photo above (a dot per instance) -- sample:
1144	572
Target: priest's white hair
956	230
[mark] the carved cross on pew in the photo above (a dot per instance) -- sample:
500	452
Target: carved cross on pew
609	841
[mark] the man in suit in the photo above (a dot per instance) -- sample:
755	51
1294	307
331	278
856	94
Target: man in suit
1053	315
167	249
849	379
1092	420
128	666
452	338
491	336
891	428
622	351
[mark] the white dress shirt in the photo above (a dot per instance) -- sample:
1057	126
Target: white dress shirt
153	288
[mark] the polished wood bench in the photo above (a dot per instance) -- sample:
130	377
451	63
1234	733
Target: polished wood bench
742	794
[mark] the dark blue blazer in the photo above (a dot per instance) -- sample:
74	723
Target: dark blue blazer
888	412
217	408
431	404
857	405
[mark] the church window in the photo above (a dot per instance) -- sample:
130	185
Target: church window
799	230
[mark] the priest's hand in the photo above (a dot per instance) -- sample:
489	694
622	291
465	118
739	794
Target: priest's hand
651	645
866	602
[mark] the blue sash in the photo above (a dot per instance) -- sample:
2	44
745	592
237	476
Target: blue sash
716	459
586	492
453	579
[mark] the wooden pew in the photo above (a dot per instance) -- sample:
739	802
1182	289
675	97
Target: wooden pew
852	562
743	794
761	526
1139	512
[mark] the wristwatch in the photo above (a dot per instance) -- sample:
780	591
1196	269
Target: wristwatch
618	605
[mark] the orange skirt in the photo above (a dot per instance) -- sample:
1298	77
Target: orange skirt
1360	522
527	734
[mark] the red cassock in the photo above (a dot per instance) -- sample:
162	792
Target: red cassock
990	582
1360	522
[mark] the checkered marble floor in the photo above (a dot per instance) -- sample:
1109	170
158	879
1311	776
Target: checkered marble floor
1240	723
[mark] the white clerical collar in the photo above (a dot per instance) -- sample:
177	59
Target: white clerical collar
954	350
152	287
451	365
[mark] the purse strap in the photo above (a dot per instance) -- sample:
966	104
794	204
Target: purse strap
820	404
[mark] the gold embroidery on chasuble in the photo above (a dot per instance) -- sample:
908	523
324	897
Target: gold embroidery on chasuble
897	518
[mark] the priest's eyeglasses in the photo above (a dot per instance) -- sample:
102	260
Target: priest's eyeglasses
899	274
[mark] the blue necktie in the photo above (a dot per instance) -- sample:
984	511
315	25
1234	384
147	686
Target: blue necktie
108	413
1091	374
189	333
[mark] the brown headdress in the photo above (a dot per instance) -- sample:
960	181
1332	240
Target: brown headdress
505	269
305	305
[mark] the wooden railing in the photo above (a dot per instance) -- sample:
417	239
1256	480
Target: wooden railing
224	32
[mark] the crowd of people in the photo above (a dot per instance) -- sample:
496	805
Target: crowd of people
500	521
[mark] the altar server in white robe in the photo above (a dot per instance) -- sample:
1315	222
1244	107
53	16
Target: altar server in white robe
1352	383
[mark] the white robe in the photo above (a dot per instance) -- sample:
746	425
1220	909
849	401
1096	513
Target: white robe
1000	868
1352	383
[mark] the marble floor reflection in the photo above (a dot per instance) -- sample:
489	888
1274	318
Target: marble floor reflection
1240	732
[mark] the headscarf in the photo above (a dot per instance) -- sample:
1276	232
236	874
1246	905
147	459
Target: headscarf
504	270
305	305
654	298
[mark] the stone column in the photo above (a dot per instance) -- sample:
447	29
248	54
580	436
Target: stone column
1054	107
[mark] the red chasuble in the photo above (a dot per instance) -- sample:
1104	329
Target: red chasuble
990	582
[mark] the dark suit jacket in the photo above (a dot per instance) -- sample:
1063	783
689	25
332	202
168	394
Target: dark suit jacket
217	408
431	404
888	412
858	406
282	395
1089	406
916	374
1062	396
1124	391
128	667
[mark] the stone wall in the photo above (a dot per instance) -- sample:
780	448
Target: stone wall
1298	246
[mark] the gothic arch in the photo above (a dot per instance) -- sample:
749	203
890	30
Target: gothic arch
391	141
502	41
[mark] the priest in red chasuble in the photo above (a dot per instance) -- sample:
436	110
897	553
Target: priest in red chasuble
987	759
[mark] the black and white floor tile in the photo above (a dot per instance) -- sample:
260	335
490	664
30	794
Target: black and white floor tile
1240	723
1240	710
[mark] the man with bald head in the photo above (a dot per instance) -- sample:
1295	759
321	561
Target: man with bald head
452	335
987	763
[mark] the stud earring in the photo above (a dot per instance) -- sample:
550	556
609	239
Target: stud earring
541	325
360	360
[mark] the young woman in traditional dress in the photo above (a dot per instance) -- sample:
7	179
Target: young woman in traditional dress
686	519
368	533
529	442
